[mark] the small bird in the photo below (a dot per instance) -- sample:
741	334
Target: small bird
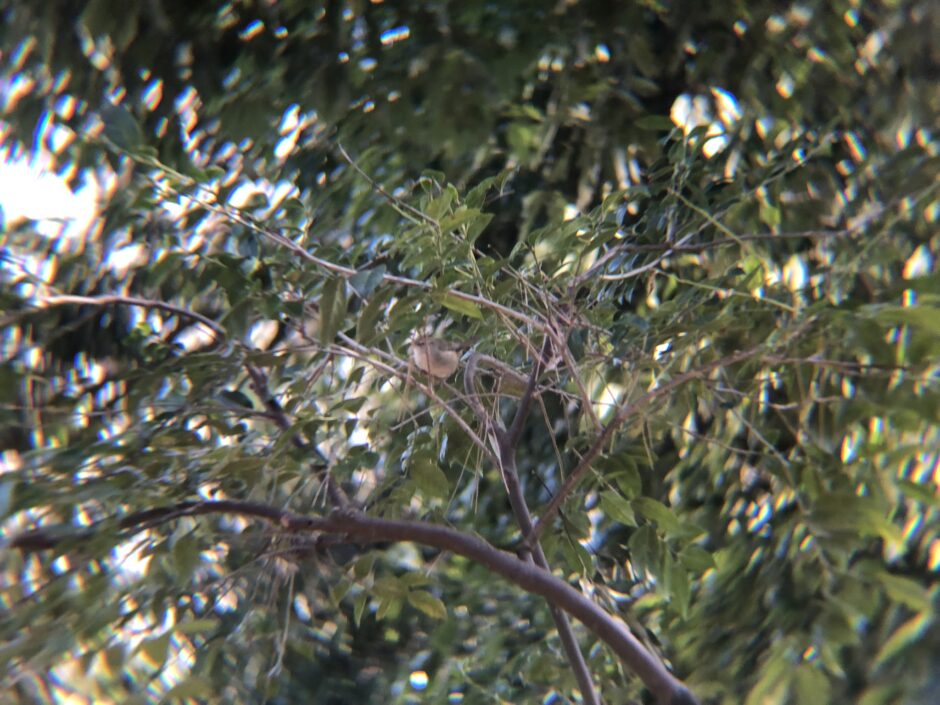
438	358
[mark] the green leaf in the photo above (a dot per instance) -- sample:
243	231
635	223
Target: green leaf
375	309
578	558
121	128
772	681
428	476
696	559
627	477
459	217
340	590
196	626
617	508
415	579
186	556
364	565
155	649
658	513
844	512
645	551
365	281
359	607
918	492
676	582
811	686
770	214
107	18
457	304
192	687
332	309
388	608
427	603
926	317
115	657
477	226
440	205
905	590
906	635
389	587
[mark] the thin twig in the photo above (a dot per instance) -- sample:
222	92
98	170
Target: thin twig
64	299
625	412
359	352
403	208
506	444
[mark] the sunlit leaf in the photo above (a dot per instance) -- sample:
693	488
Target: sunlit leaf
427	603
457	304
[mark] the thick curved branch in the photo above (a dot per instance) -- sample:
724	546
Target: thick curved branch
667	689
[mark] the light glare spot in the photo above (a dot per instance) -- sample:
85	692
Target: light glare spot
776	24
785	86
602	53
816	55
394	35
418	680
856	148
302	607
849	447
254	28
153	94
795	274
919	264
729	111
290	120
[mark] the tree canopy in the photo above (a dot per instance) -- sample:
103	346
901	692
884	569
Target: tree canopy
683	254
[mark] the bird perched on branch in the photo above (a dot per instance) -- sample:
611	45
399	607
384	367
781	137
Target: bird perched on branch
437	357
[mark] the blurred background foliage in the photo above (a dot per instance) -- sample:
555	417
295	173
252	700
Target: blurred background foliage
667	182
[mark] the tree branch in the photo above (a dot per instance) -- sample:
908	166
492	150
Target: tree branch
667	689
506	442
625	412
62	299
258	379
525	403
260	383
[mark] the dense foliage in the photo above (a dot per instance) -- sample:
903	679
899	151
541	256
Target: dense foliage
707	229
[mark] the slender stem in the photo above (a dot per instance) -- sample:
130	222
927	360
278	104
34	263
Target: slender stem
63	299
